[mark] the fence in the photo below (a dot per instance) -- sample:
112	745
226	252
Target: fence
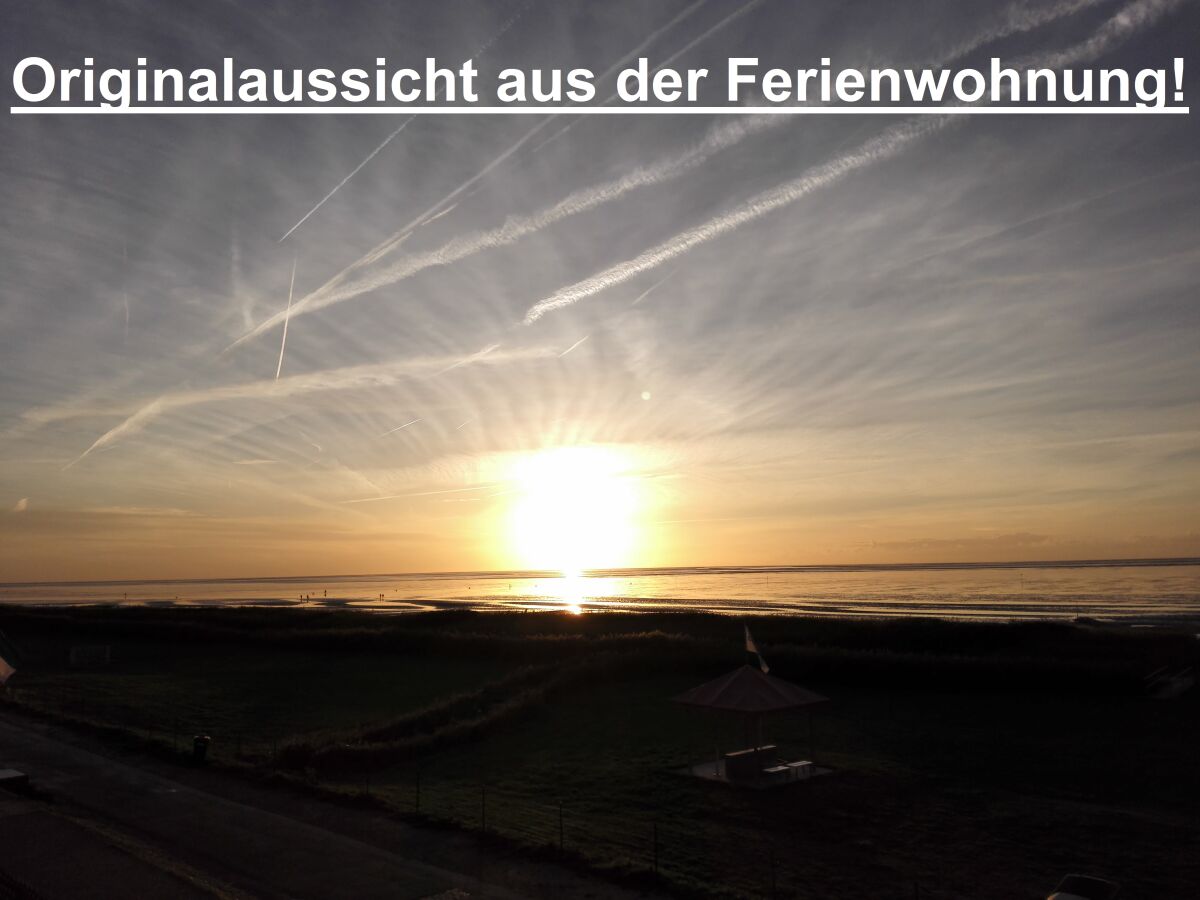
733	859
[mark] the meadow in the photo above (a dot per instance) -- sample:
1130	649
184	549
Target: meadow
968	759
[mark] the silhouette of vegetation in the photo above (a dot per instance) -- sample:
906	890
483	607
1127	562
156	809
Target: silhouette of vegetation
1029	748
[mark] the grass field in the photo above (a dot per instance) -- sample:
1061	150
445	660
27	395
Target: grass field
970	760
244	695
939	789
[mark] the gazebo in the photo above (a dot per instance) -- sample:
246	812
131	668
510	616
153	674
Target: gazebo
753	695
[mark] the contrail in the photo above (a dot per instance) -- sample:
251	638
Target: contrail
125	283
879	148
573	346
337	187
341	287
467	360
399	427
438	208
1020	18
470	182
654	287
445	212
347	378
736	14
287	316
483	173
1131	18
387	140
1073	206
352	282
481	487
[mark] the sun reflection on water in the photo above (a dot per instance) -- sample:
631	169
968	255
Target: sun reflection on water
574	589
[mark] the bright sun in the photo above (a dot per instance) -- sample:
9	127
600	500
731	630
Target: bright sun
575	509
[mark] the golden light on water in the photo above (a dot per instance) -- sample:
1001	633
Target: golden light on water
573	590
575	508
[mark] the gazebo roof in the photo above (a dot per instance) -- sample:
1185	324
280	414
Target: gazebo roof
749	690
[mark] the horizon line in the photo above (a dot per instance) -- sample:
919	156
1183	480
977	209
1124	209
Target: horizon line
603	572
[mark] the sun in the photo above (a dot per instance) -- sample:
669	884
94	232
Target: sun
575	508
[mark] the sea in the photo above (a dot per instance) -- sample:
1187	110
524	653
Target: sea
1134	592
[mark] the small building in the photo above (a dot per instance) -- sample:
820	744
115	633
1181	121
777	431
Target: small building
752	695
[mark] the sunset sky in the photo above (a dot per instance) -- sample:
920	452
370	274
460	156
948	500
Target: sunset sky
606	341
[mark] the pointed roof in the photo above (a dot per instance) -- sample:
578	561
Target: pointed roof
749	690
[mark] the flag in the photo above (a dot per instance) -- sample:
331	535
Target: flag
752	647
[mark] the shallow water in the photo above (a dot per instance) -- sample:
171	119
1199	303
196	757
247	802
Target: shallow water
1132	592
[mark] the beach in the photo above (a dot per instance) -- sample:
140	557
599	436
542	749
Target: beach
1129	592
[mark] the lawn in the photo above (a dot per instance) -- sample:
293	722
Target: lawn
992	796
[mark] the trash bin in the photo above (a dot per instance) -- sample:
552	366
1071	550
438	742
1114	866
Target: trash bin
200	748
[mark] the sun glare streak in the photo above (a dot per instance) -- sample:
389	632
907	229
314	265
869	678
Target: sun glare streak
575	508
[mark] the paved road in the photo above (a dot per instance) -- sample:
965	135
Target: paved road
258	851
59	858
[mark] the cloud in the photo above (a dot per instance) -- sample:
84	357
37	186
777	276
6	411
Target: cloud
348	378
169	512
1006	541
1131	18
992	327
512	20
879	148
363	276
360	278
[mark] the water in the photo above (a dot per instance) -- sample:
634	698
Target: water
1131	592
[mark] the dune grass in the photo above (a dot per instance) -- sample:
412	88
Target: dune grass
237	693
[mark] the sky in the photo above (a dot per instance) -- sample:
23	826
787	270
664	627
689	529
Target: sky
560	342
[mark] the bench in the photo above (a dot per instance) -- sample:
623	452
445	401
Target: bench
747	764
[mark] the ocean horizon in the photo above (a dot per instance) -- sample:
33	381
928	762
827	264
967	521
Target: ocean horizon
1146	591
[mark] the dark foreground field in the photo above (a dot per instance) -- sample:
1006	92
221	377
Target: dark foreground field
970	760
